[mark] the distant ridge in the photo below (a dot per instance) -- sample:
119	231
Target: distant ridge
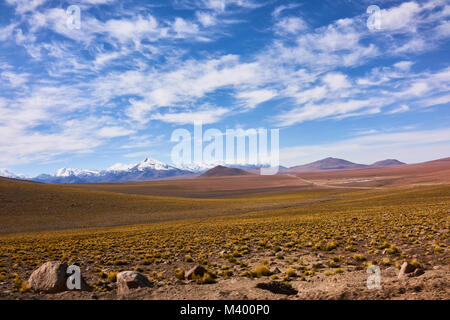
387	163
335	164
327	164
221	171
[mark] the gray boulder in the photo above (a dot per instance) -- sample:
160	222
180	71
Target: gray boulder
51	277
128	280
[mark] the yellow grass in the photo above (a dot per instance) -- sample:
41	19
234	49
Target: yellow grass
415	221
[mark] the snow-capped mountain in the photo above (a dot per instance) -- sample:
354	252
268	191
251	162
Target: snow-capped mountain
147	164
8	174
197	167
203	167
67	172
149	169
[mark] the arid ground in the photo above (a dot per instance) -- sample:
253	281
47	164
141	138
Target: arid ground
315	232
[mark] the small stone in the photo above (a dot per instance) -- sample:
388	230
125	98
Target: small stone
405	269
128	280
417	272
275	271
197	270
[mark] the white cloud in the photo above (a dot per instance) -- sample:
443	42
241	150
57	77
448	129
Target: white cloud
290	25
135	29
206	19
23	6
15	79
443	29
336	81
112	132
183	27
402	108
402	17
7	32
418	89
324	110
253	98
204	116
315	94
280	9
403	65
434	101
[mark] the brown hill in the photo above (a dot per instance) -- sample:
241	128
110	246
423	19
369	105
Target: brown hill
221	171
327	164
387	163
430	172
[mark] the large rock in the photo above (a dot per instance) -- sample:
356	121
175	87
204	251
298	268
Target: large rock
197	270
405	269
128	280
408	270
51	277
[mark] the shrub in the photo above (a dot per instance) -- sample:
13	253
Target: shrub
290	273
359	257
228	273
260	271
207	278
386	262
437	248
392	249
332	264
330	246
112	276
179	273
415	263
338	271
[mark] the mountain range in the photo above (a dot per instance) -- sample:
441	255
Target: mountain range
335	164
8	174
151	169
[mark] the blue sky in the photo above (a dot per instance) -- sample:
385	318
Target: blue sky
116	88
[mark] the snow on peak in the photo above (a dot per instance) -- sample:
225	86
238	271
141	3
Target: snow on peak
197	166
147	163
150	163
120	167
68	172
8	174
